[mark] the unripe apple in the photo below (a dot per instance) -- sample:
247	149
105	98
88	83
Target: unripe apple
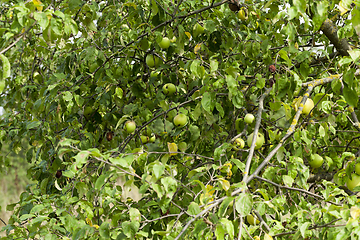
87	111
169	89
260	139
165	43
357	168
249	118
233	6
154	74
239	144
144	139
182	146
130	126
152	138
242	14
180	120
352	182
152	61
308	106
251	220
316	161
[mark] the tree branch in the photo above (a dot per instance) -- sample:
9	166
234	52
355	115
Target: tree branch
330	31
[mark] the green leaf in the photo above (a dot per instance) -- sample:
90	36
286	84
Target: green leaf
194	132
220	109
135	215
42	19
154	7
239	164
349	77
322	12
130	228
104	230
354	54
220	232
81	158
170	185
243	204
355	20
208	101
197	69
224	205
288	181
33	125
302	56
303	228
213	65
100	181
5	66
193	209
350	96
228	226
210	26
158	170
283	55
39	219
26	216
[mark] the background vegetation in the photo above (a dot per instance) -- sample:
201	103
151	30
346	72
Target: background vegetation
13	180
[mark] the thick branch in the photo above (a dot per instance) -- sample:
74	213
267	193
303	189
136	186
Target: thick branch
330	31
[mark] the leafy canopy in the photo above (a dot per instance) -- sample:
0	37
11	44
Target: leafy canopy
74	72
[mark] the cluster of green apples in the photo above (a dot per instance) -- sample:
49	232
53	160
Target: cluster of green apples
154	61
260	139
146	137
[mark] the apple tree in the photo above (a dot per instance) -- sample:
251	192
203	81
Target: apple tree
133	116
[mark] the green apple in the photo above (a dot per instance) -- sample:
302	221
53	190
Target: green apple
154	74
242	14
182	146
165	43
357	168
88	110
352	182
197	30
144	139
251	220
152	138
130	126
260	139
180	120
249	118
239	144
316	161
169	89
152	61
144	44
308	106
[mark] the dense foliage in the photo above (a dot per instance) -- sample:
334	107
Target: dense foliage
133	113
